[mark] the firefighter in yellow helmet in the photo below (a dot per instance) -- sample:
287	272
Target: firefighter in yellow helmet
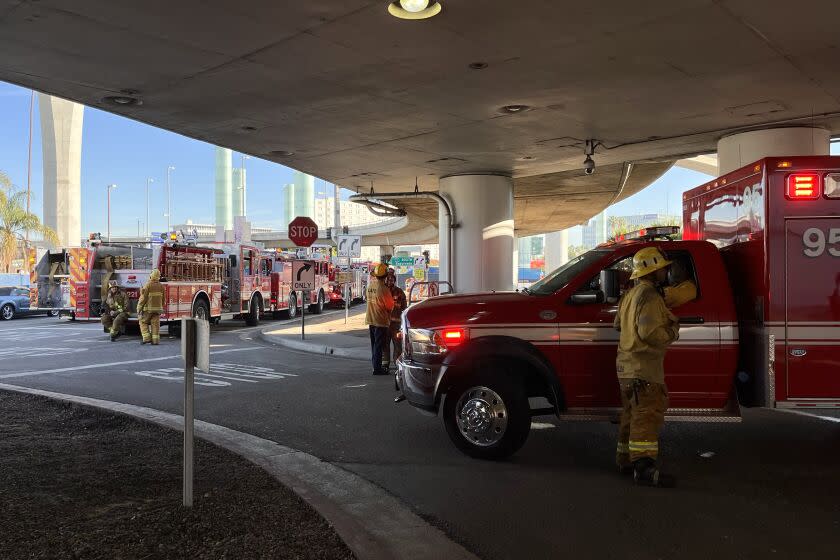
646	328
149	307
380	303
114	310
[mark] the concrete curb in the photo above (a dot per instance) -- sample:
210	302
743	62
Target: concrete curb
315	348
374	524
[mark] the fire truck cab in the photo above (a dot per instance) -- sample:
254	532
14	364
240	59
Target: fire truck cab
761	245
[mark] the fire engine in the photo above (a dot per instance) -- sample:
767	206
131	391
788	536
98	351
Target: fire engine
49	289
350	284
761	244
283	298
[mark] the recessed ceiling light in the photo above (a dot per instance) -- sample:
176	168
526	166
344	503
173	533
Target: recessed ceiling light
122	100
414	9
513	109
281	153
478	65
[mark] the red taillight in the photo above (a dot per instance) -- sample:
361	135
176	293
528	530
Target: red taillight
453	337
803	186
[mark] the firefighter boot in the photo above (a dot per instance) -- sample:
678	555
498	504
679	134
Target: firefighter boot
645	473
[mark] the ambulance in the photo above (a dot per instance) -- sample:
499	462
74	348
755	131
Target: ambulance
762	246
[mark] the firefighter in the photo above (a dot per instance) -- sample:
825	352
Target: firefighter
380	302
393	348
149	307
115	310
646	329
681	288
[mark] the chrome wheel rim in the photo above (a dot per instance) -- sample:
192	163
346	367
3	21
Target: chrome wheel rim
8	312
481	416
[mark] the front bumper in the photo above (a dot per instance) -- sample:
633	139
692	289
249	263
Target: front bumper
419	383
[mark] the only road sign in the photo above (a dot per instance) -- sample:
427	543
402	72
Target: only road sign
303	231
349	245
303	275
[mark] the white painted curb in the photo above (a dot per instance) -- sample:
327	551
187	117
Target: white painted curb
314	348
373	523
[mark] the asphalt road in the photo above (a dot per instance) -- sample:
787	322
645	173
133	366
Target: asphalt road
771	489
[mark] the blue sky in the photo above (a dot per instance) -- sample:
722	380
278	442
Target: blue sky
121	151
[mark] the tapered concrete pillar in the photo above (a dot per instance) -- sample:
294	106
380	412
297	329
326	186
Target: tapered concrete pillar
741	149
556	249
483	240
224	188
61	139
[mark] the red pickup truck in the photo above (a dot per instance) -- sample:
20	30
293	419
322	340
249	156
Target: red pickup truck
762	245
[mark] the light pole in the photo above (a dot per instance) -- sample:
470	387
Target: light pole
243	194
148	181
138	226
168	201
110	188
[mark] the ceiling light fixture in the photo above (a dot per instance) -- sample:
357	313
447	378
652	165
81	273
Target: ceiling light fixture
122	100
281	153
414	9
511	109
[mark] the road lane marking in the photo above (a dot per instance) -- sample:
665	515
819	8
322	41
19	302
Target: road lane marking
112	364
355	386
36	352
231	372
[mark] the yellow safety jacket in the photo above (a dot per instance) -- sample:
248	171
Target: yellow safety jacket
647	329
681	293
380	302
151	298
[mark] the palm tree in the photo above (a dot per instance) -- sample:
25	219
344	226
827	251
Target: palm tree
15	221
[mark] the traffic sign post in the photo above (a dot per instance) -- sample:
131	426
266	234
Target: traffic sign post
303	231
349	245
303	279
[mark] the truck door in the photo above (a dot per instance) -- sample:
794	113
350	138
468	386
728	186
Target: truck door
812	305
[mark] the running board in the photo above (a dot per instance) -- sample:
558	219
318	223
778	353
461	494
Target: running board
731	413
828	404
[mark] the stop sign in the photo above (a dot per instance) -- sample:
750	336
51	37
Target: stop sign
303	231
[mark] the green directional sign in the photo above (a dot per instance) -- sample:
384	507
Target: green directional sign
401	261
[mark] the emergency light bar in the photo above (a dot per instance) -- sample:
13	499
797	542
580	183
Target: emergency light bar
647	234
803	186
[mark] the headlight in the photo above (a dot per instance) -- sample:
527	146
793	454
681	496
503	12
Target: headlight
424	343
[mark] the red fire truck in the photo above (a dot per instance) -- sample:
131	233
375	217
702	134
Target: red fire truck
762	245
283	298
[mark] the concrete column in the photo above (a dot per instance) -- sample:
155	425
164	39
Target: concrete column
483	240
741	149
61	138
515	259
224	188
556	249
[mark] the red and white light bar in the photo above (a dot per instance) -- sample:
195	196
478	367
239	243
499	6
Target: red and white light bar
648	233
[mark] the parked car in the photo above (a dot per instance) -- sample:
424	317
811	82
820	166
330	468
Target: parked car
14	301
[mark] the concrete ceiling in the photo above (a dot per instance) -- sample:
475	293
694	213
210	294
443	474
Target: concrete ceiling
359	96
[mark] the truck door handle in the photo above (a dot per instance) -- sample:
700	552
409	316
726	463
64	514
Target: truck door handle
692	320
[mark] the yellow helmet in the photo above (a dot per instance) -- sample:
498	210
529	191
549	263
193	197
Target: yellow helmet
380	270
647	260
155	275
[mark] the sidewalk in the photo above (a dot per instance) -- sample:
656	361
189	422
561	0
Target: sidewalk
329	336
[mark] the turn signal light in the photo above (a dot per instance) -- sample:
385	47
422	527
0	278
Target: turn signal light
453	337
803	186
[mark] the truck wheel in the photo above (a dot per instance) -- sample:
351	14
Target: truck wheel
201	310
487	416
252	319
52	313
7	312
318	307
293	308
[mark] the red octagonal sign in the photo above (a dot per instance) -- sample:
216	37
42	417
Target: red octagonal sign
303	231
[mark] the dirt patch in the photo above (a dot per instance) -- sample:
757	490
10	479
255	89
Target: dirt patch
76	482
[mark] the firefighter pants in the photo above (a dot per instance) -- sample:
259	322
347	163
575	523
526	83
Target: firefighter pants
150	327
643	413
114	324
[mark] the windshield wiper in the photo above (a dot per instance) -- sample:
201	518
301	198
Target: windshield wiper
525	291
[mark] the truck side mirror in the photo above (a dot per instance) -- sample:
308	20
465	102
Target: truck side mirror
610	285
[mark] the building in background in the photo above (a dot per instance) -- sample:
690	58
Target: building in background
351	213
594	232
61	140
209	230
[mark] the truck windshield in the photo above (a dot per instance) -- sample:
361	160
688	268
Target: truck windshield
563	275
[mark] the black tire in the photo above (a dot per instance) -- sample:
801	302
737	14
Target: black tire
293	308
52	313
252	319
7	312
201	310
501	420
318	307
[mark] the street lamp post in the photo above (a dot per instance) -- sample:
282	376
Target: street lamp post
168	201
148	181
138	226
110	188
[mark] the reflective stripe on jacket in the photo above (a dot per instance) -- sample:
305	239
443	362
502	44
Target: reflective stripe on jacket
647	328
380	302
151	297
117	302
